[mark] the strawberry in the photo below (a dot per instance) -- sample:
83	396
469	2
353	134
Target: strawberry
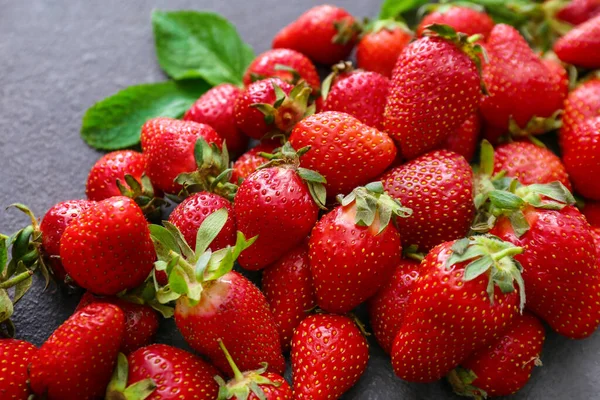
464	140
505	366
329	355
462	19
581	104
379	48
285	64
580	148
252	385
581	45
591	210
287	285
141	321
14	359
249	162
76	362
280	204
215	108
345	151
560	76
438	187
578	11
354	249
113	239
168	145
422	112
326	34
102	180
463	299
388	306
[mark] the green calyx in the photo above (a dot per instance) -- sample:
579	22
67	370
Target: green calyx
117	388
462	380
373	203
413	253
494	257
243	384
536	125
188	270
346	31
343	67
142	192
212	172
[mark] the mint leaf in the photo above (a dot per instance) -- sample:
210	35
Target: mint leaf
391	9
192	44
115	122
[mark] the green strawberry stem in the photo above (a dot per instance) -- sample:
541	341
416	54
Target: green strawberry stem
142	192
117	388
461	380
15	280
237	374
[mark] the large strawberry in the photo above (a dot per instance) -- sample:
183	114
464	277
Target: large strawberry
102	179
379	48
345	151
108	249
354	249
464	140
326	34
581	104
581	45
464	298
280	204
422	111
438	187
15	356
462	19
249	162
77	361
580	148
578	11
329	355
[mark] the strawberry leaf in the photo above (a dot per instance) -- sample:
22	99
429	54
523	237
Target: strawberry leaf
391	9
3	253
6	306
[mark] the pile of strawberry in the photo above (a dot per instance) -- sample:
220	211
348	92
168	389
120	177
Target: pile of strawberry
359	191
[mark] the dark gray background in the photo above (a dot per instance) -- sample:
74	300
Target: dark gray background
58	57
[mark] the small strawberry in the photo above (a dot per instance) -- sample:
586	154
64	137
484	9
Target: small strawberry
464	298
329	355
462	19
422	112
354	249
287	285
15	356
102	179
76	362
379	48
215	108
503	367
581	104
465	139
580	148
591	210
107	249
578	11
249	162
581	45
326	34
345	151
438	187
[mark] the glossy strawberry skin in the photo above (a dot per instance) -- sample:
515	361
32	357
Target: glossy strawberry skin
449	98
581	104
275	204
345	151
234	310
379	51
102	179
68	369
438	187
168	145
581	45
349	263
108	248
569	301
559	77
176	372
530	163
141	321
329	354
249	162
264	66
579	11
360	94
465	139
462	19
215	108
288	287
388	306
581	146
15	356
191	212
591	210
282	391
313	33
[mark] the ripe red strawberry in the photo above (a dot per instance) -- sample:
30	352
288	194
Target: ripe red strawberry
581	104
326	34
438	187
463	299
378	50
354	249
388	306
581	45
15	356
591	210
465	139
348	95
288	287
329	355
580	148
215	108
463	19
141	321
345	151
108	248
505	366
168	145
285	64
578	11
249	162
77	361
102	180
560	76
530	163
422	112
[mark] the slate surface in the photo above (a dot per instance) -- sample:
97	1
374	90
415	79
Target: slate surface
58	57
